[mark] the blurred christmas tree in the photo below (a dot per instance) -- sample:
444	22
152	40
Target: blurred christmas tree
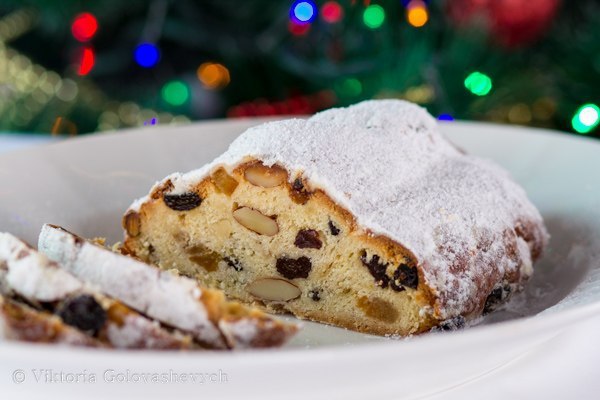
77	66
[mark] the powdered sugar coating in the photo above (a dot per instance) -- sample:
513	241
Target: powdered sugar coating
386	162
159	294
36	277
137	332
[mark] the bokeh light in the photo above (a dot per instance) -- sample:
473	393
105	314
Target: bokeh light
213	75
332	12
152	121
373	16
416	13
88	59
175	93
303	11
478	83
519	113
298	29
350	87
445	117
586	118
84	27
146	55
406	3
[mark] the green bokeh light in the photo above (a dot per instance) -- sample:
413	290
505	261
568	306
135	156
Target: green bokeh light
373	16
175	93
586	118
479	84
350	87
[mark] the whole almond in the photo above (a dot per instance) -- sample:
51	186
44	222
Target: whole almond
256	221
266	177
273	289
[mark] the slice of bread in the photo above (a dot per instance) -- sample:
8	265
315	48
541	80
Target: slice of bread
171	299
21	322
30	276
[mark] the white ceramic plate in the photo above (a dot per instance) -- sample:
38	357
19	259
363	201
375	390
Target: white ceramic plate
85	184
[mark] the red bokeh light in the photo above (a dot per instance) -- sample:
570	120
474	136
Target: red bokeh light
298	29
88	58
84	27
332	12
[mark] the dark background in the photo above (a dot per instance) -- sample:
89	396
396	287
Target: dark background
528	62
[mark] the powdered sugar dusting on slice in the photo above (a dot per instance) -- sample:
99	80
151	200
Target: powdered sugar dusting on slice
159	294
36	277
386	162
142	333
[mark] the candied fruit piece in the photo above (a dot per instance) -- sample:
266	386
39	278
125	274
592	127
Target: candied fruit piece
224	182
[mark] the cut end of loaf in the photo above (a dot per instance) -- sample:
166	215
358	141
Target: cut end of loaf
267	237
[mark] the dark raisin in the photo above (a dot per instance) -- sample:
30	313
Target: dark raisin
495	298
308	239
377	269
451	324
299	194
396	287
291	268
314	294
49	306
298	186
234	263
84	313
406	276
182	202
333	229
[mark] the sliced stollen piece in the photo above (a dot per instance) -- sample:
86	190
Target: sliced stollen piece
174	300
20	322
29	275
364	217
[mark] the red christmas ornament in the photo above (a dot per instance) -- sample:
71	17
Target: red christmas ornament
513	23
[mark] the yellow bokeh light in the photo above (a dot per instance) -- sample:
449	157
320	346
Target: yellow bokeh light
417	15
213	75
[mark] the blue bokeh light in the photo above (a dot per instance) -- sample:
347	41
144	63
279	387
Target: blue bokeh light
303	11
147	55
445	117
